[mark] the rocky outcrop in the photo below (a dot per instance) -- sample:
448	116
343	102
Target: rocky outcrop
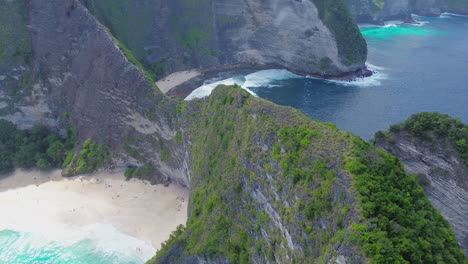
268	185
441	172
378	11
78	77
175	35
60	67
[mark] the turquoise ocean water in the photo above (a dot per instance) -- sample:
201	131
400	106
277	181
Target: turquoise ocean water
105	245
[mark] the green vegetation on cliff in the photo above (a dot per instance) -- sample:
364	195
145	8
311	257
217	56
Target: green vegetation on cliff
232	173
401	224
270	184
38	147
336	16
434	126
89	158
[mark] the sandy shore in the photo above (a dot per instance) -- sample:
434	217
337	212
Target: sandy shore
34	201
176	79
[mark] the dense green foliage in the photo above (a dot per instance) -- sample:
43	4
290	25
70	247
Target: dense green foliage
435	126
340	192
351	44
88	159
401	224
38	147
226	221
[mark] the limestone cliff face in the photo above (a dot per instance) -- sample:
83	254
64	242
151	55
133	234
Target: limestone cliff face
77	76
441	172
60	67
378	11
175	35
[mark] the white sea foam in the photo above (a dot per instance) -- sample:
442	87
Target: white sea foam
267	78
375	79
450	15
104	239
263	78
117	217
386	24
206	89
419	20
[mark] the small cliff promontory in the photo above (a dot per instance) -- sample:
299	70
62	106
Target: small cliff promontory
434	147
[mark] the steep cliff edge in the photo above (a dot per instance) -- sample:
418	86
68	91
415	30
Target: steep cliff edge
435	148
378	11
313	37
269	185
63	69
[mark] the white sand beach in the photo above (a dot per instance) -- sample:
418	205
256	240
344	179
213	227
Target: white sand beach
33	201
176	79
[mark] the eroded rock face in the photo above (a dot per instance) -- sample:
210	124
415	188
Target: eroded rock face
378	11
180	35
444	177
78	77
60	67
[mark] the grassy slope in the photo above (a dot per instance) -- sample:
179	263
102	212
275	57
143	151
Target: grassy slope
310	173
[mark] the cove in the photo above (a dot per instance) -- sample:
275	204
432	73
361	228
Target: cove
420	67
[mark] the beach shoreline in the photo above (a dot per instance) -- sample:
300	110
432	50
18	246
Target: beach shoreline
175	79
44	202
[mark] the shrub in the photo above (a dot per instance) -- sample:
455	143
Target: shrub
402	226
88	159
351	44
38	147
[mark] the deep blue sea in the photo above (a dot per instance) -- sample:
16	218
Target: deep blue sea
421	67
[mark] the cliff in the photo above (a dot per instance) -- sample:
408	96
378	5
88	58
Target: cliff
267	183
378	11
434	147
307	37
63	69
